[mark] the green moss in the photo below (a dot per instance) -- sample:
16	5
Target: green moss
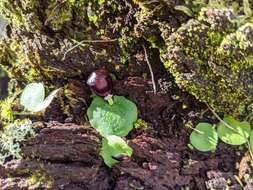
6	112
33	14
18	64
126	43
212	59
235	49
141	124
58	13
39	179
151	5
209	56
15	11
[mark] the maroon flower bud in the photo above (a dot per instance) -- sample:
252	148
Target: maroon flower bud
100	82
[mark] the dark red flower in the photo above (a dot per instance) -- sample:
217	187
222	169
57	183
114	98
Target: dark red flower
100	82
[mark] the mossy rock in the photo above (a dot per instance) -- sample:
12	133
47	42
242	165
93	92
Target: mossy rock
211	57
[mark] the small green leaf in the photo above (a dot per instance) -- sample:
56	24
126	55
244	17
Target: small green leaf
114	146
184	9
236	133
204	138
32	95
116	119
251	141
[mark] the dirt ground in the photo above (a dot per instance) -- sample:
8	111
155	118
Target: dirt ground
69	153
65	152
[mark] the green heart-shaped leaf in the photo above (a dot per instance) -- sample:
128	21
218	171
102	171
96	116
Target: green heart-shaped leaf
32	95
236	133
204	138
114	146
116	119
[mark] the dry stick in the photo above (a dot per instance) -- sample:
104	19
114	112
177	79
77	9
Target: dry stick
23	113
150	69
231	128
86	41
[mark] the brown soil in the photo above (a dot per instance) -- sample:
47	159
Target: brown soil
65	152
69	153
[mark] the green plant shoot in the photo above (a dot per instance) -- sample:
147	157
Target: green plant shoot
113	146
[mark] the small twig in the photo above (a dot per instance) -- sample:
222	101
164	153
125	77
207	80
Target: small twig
87	41
26	113
221	120
150	69
203	112
22	113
